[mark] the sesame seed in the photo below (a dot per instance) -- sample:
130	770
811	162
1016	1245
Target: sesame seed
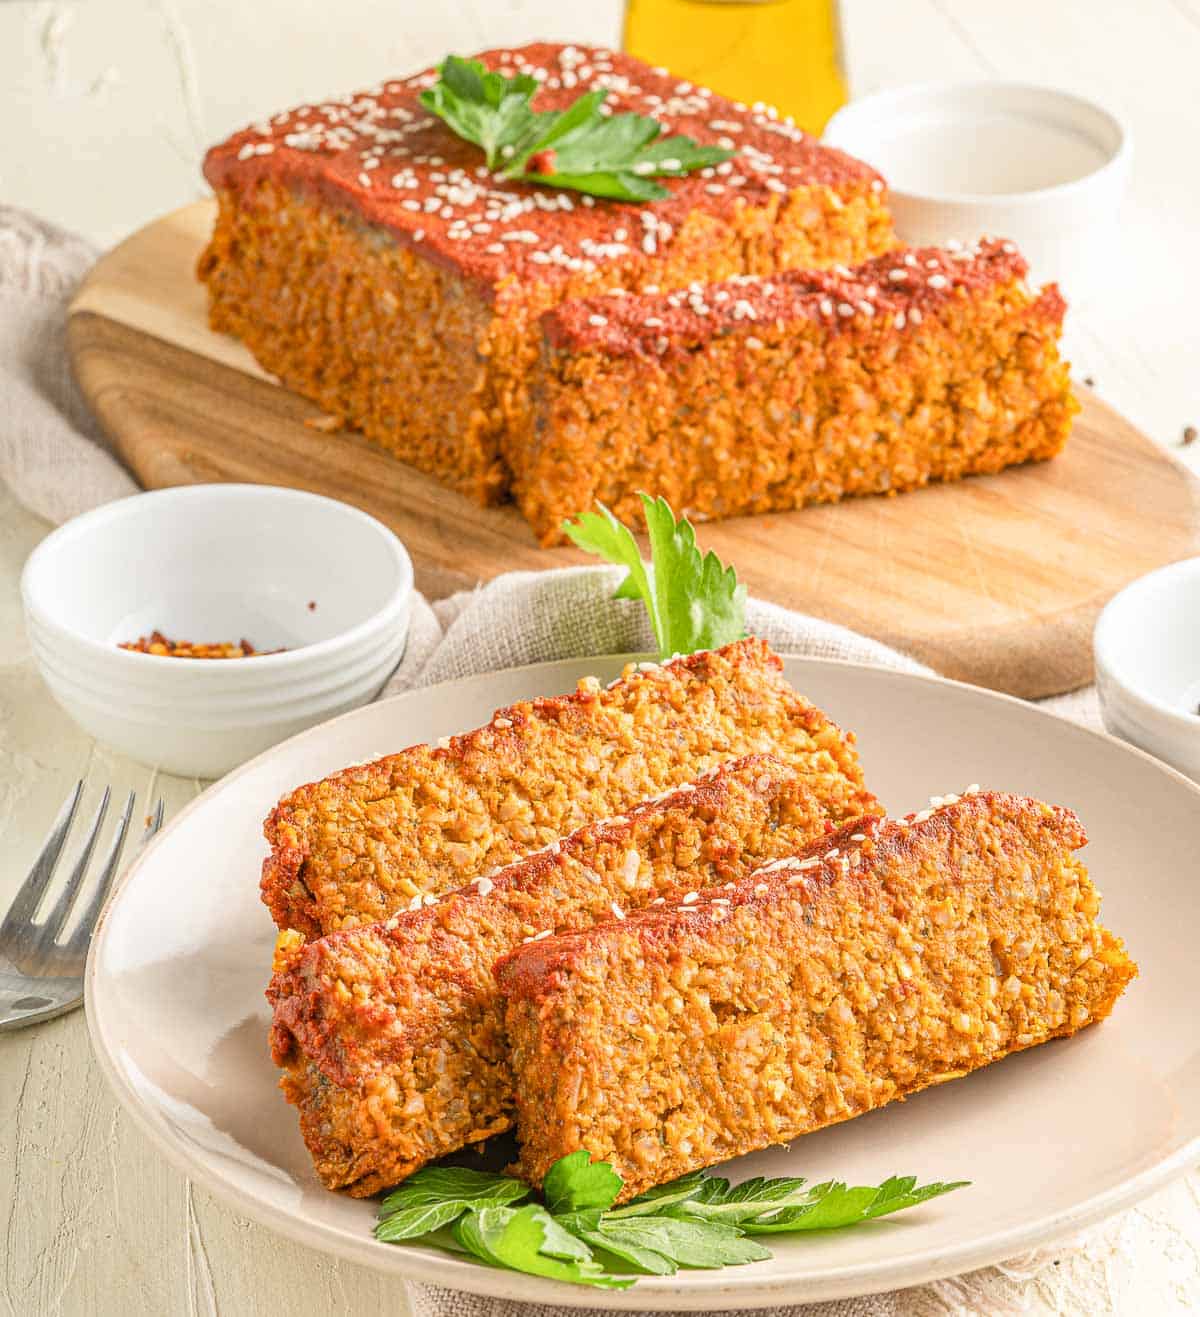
690	898
617	911
598	321
845	310
485	885
938	281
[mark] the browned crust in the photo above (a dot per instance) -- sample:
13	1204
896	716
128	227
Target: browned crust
402	1020
916	951
359	845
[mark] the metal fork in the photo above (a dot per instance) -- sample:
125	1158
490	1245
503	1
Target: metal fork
41	975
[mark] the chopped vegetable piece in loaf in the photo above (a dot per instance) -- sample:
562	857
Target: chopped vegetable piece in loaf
391	1036
765	394
366	843
884	958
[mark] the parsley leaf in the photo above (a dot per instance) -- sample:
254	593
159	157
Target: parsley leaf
580	148
694	601
529	1239
485	108
698	1221
437	1196
778	1206
575	1183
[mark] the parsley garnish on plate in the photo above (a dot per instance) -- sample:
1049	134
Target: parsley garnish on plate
694	601
577	1235
616	156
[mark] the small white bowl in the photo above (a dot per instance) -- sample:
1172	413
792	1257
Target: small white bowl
1043	167
325	583
1147	647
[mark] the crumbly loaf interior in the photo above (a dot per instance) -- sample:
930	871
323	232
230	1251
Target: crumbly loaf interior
432	366
682	1039
403	1020
776	416
360	845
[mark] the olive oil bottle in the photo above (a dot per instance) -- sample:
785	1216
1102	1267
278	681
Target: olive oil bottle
785	53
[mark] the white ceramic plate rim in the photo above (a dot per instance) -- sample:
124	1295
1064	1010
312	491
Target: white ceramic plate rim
732	1287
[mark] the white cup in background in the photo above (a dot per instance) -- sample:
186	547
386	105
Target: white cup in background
1046	168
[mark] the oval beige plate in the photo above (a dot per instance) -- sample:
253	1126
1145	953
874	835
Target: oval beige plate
1053	1139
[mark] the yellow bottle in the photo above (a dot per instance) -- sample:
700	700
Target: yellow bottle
785	53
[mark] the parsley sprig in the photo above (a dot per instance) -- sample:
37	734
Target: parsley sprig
577	1235
616	156
694	601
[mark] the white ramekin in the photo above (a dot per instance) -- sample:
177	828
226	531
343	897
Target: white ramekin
328	584
1147	647
1045	168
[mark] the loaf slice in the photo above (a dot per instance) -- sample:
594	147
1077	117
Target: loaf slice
888	956
367	257
361	845
391	1036
764	394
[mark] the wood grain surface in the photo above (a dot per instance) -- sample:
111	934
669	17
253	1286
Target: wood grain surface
995	580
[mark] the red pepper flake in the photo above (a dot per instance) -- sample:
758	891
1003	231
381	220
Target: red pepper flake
158	644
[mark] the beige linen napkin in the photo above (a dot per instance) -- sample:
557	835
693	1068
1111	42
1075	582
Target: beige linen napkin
53	458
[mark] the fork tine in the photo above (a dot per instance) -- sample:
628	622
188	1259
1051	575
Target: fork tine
20	913
154	824
78	943
53	924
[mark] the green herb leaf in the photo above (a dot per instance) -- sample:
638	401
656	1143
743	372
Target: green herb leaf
441	1184
693	600
579	148
485	108
683	1242
828	1206
528	1239
700	1220
413	1222
575	1183
663	1196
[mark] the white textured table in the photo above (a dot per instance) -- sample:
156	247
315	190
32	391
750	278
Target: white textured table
119	100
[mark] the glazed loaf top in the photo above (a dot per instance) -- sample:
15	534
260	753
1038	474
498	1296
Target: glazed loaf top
890	292
381	155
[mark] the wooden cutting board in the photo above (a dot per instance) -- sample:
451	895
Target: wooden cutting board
996	580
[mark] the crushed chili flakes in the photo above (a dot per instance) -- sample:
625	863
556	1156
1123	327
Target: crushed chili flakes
157	643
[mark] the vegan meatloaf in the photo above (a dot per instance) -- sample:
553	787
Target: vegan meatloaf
361	845
763	394
391	1036
885	958
367	257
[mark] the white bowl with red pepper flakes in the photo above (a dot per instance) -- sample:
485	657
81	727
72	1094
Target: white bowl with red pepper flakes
193	628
